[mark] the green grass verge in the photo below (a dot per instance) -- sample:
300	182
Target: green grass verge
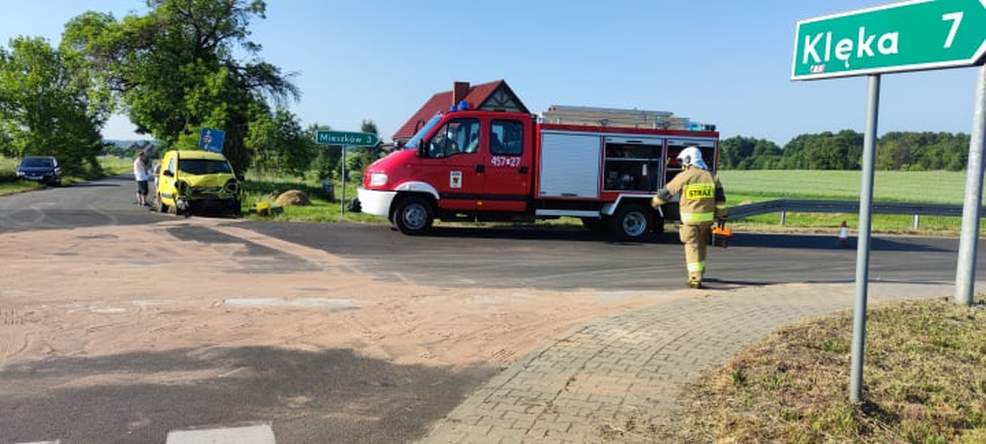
924	383
267	188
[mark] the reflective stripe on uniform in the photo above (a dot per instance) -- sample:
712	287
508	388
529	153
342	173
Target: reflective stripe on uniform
721	207
696	267
697	218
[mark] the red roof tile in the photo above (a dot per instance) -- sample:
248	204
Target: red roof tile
440	103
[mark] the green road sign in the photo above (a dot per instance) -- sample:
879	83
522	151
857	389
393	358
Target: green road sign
325	137
907	36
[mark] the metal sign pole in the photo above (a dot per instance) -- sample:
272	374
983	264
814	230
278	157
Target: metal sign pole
965	276
863	247
342	202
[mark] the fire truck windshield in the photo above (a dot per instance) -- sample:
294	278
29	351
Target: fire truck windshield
416	140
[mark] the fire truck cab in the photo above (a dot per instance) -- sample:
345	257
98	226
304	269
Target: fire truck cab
505	166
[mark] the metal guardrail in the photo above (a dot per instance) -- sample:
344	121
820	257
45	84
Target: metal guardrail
784	206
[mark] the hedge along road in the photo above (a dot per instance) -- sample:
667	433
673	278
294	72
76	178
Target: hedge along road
519	257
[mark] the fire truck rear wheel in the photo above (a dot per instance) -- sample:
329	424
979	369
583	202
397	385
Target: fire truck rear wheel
414	215
632	223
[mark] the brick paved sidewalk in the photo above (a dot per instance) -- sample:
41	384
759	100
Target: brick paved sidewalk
624	372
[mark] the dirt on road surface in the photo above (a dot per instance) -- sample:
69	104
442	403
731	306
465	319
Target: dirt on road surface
163	305
106	290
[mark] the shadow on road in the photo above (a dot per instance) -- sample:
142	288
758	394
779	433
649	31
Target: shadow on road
791	241
324	396
50	219
539	233
808	242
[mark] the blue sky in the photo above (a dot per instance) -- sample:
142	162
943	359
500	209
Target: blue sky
721	62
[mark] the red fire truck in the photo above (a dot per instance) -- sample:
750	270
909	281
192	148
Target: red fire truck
505	166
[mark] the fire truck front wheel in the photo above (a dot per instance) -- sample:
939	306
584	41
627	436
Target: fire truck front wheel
632	222
413	215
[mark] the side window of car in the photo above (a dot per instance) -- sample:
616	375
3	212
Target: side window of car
436	146
460	136
506	138
463	136
171	166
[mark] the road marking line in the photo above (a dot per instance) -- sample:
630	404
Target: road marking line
57	441
253	434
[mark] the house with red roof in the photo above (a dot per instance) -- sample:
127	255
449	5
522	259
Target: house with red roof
492	96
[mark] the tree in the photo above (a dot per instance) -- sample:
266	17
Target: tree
6	145
359	158
369	126
46	108
278	144
824	151
748	153
175	69
326	161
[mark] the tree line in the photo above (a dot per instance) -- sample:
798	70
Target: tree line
181	66
902	151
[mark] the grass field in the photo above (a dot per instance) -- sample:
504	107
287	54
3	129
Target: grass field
889	186
924	383
899	186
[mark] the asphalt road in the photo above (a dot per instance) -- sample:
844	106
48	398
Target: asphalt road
529	257
554	259
109	201
450	257
389	403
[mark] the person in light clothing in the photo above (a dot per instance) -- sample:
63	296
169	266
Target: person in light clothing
141	175
844	234
702	202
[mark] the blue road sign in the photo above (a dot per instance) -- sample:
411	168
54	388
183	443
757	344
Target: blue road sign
212	140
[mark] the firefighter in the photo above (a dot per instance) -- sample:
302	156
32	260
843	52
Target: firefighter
702	202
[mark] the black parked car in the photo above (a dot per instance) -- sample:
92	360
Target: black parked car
41	169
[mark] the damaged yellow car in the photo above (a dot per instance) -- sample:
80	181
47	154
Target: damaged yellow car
191	181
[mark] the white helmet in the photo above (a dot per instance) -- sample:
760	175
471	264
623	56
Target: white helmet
692	156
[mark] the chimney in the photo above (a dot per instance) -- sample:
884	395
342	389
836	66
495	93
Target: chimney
459	92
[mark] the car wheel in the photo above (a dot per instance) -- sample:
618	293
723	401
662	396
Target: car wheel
414	215
632	223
